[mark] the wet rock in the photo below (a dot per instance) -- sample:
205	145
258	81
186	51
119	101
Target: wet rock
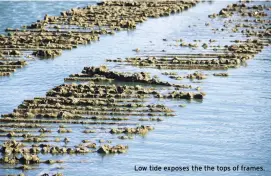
169	73
64	115
50	162
11	134
30	115
185	95
176	77
106	149
212	16
64	130
58	174
138	130
24	167
205	46
135	77
141	119
123	137
11	146
198	96
90	145
156	119
103	149
57	140
34	139
29	159
82	150
101	141
137	50
15	52
116	131
221	74
86	141
223	12
89	131
44	130
66	140
196	75
47	53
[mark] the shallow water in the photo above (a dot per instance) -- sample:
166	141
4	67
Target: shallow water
230	127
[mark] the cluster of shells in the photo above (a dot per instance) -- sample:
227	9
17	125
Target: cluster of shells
254	24
48	37
124	111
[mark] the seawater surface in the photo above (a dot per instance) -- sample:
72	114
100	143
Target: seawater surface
230	127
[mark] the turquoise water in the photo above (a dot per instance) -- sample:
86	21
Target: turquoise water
230	127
